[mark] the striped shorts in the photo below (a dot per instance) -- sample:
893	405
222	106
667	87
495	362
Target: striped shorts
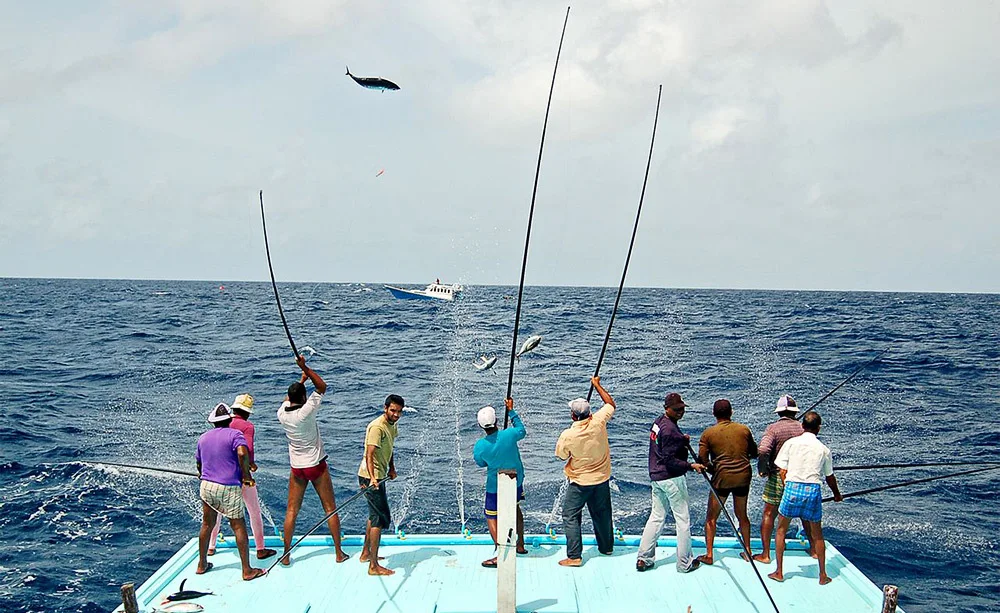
225	499
773	489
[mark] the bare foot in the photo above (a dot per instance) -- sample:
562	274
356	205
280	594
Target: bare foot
253	574
286	560
342	557
380	570
201	570
263	554
571	562
744	556
706	559
813	555
364	558
762	558
777	576
824	579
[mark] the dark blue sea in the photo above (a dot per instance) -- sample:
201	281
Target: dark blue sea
127	371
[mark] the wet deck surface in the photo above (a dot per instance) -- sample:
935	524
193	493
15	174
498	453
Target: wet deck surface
442	574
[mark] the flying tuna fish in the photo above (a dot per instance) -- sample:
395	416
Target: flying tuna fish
528	345
377	83
486	364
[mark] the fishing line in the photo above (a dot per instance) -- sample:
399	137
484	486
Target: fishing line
914	482
635	228
531	213
844	382
739	536
921	465
267	249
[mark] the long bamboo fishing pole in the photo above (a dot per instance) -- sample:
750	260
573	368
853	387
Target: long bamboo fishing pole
918	465
150	468
631	244
267	249
736	529
914	482
844	382
531	213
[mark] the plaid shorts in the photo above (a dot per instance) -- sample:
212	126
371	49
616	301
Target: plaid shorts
225	499
773	489
802	500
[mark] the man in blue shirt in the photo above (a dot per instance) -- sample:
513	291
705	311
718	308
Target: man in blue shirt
498	451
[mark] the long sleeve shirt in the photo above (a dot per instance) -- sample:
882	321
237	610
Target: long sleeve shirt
499	451
667	450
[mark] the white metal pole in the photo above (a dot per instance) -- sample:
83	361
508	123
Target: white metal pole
506	542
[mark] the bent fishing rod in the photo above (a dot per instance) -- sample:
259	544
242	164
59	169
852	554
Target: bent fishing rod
531	213
267	249
913	482
918	465
150	468
628	257
736	529
844	382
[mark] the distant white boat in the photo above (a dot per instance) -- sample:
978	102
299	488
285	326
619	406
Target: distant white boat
434	291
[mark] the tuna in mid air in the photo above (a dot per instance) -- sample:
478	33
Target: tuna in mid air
486	363
377	83
528	345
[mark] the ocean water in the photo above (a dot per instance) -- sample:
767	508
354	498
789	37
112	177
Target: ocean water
127	371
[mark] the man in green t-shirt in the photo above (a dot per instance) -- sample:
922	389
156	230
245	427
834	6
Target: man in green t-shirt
376	465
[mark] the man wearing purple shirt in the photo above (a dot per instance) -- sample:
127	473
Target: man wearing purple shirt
224	468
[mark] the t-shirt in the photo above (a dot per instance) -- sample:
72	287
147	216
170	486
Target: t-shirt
244	426
498	451
382	434
305	448
584	446
806	459
217	454
727	447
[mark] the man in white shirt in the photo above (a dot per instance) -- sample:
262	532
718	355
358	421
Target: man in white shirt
803	463
305	454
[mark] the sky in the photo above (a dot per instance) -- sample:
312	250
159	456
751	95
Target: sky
848	145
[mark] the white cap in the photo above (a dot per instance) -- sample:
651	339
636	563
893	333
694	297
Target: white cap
487	417
219	413
786	403
580	408
243	402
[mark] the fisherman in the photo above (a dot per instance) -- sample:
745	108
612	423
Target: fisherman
242	407
803	462
584	446
376	465
497	451
668	466
726	449
223	467
297	415
775	436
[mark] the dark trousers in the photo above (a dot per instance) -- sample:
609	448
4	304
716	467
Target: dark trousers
597	498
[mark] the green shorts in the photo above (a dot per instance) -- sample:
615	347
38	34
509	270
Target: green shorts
773	489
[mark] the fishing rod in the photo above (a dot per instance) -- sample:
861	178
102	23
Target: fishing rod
845	381
531	213
914	482
736	529
920	465
318	524
635	228
152	468
274	285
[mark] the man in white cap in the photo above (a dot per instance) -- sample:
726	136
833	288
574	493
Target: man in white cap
223	467
498	451
242	407
584	446
775	436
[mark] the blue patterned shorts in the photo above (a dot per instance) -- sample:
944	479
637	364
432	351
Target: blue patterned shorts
802	500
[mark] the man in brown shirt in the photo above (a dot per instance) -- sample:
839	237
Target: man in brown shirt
726	448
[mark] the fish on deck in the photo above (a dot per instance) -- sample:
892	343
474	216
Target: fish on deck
376	83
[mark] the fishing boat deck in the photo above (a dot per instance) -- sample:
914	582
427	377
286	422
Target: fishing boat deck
442	574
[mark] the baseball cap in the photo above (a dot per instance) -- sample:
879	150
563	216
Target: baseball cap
786	403
219	413
673	401
487	417
243	402
580	408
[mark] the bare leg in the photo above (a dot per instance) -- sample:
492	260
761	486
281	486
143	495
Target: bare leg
208	519
296	489
239	527
324	487
213	540
819	545
807	527
766	528
492	525
520	532
711	521
374	568
779	546
740	506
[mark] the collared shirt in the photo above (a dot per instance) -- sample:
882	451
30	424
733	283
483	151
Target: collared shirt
305	448
244	426
727	447
584	446
382	435
498	451
667	450
217	455
806	459
774	438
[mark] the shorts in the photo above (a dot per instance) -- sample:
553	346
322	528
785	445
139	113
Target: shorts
773	489
742	491
312	473
378	504
802	500
225	499
490	508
